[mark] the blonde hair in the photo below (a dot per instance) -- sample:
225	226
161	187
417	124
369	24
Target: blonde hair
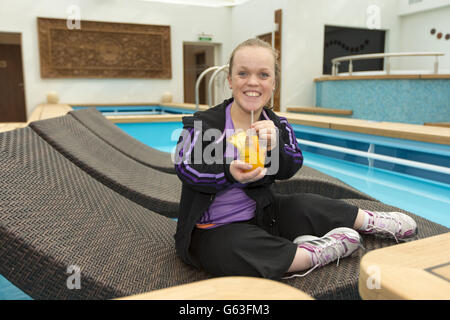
255	42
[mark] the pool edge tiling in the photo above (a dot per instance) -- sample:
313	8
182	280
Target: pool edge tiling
406	100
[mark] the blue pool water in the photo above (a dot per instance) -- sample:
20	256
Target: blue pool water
423	197
161	135
137	110
10	292
422	152
426	194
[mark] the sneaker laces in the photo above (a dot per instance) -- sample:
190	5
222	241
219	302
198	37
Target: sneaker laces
338	248
387	220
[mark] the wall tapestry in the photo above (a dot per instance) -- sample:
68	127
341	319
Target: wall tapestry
104	50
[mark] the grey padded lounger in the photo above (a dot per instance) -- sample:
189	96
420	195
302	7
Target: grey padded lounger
54	215
156	190
93	119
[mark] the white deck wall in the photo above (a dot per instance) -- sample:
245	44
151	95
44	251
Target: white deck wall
415	33
303	35
186	23
302	43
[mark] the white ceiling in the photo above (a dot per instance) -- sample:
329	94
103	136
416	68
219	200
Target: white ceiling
204	3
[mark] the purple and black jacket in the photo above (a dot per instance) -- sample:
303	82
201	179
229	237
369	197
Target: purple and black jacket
202	180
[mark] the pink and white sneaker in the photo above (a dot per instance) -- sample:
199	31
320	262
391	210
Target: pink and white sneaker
395	225
336	244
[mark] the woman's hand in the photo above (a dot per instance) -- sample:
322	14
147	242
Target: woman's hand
267	133
238	171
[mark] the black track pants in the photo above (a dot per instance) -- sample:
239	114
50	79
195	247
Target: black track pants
246	249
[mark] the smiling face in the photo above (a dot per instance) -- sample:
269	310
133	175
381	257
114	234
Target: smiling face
252	77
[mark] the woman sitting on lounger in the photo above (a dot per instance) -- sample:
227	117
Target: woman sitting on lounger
230	222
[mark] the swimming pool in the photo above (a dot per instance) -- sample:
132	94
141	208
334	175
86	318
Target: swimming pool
8	291
424	160
425	193
136	110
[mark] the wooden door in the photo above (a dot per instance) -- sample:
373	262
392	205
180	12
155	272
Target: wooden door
197	58
12	101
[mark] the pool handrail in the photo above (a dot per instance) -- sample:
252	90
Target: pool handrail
337	61
374	156
211	81
197	85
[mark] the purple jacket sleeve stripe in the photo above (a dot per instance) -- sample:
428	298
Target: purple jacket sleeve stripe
187	171
292	148
292	138
187	175
204	175
294	154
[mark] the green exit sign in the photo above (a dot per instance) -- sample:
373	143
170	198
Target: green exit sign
204	37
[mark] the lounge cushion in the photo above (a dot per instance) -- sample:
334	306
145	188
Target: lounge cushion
93	119
156	190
